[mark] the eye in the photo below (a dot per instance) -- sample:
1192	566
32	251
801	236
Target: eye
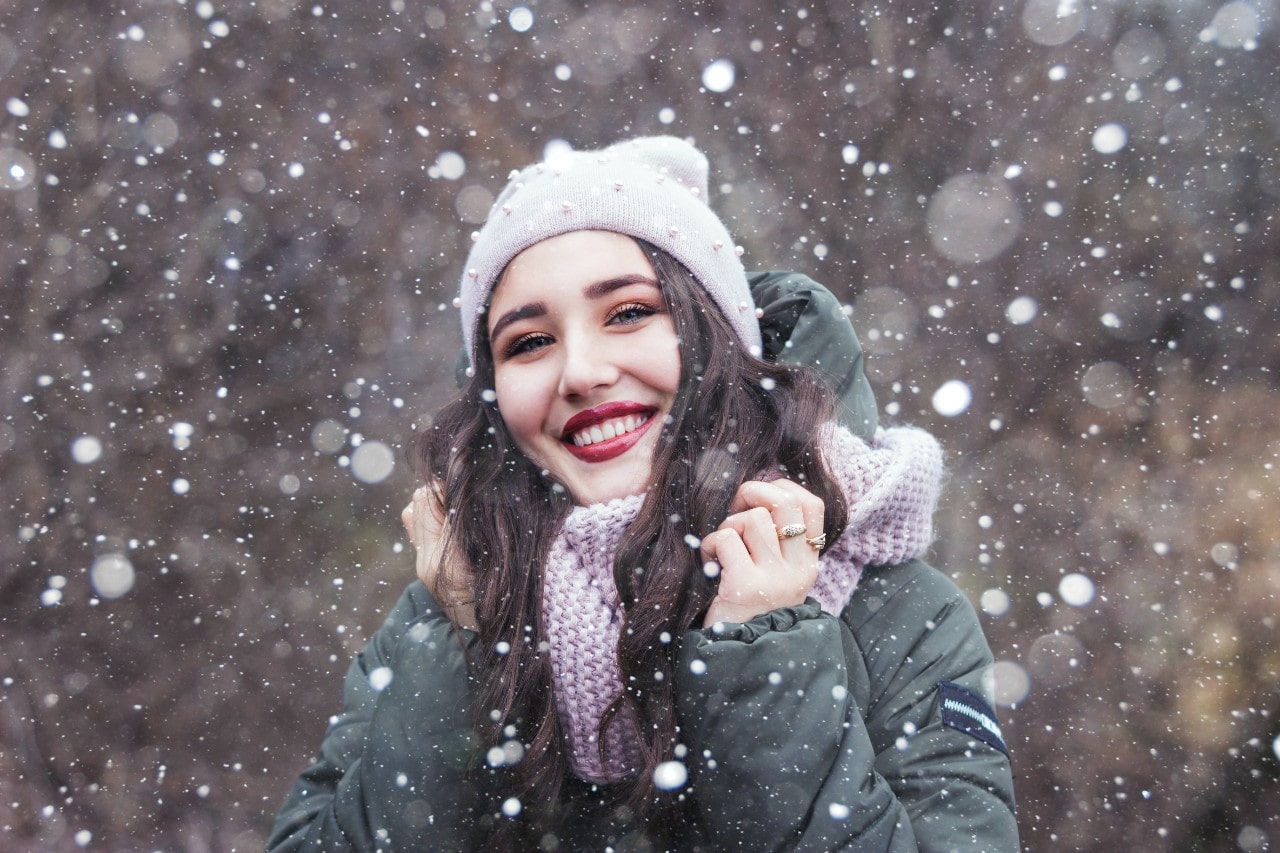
631	312
528	342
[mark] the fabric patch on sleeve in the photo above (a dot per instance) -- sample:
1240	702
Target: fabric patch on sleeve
966	711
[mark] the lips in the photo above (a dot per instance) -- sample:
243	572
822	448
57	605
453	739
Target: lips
606	431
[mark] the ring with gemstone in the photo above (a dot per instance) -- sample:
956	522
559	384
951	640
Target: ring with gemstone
790	531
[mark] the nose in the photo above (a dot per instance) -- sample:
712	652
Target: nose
588	366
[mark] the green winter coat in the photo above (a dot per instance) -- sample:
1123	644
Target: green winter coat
869	731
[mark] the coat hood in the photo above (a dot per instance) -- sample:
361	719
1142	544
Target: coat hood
804	323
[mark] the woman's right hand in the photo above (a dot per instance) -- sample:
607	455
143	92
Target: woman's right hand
445	576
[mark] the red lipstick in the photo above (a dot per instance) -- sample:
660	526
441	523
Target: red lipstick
601	451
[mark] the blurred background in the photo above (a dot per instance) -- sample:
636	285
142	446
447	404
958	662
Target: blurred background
230	236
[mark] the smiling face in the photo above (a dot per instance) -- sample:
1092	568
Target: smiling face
586	361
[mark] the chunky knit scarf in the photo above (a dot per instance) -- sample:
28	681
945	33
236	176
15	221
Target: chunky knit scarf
891	487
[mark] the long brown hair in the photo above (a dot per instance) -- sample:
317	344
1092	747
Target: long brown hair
734	417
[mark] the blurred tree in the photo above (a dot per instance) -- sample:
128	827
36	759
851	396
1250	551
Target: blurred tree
231	233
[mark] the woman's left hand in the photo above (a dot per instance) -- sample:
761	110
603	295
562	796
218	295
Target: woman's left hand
759	571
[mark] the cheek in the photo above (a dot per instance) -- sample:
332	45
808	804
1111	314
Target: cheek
520	407
664	370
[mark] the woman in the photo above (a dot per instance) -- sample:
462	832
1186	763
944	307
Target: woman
643	620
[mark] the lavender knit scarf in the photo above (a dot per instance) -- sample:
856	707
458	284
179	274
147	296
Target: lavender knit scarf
892	487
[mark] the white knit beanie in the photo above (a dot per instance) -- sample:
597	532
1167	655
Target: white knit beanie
653	188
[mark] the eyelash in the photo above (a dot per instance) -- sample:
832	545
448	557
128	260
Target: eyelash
522	344
642	308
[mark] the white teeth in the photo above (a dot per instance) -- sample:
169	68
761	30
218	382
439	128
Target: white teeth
608	430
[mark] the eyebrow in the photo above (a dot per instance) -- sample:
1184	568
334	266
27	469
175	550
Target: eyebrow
515	315
594	291
602	288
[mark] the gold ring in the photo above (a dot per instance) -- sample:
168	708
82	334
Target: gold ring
818	542
791	530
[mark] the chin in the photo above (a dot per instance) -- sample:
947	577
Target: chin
597	483
603	493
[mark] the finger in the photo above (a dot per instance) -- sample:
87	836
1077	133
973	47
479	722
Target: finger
755	493
714	541
709	552
812	510
811	504
755	528
760	532
406	518
710	545
427	506
409	515
780	497
423	518
729	551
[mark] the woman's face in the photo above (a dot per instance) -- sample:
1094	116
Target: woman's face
586	361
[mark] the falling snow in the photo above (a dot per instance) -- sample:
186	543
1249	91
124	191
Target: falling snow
232	234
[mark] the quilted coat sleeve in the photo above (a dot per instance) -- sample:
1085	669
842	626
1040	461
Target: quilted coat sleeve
390	773
811	732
